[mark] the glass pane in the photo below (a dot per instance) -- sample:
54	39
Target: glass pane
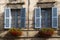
46	17
16	18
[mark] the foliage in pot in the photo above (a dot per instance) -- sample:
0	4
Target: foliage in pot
15	32
46	32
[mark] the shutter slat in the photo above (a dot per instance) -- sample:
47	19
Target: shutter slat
54	18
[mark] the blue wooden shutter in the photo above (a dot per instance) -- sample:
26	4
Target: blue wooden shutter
7	18
37	17
54	18
22	18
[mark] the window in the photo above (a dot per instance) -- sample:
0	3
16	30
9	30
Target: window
46	18
14	18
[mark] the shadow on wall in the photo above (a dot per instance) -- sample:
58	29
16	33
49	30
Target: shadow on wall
37	37
2	21
40	0
8	36
58	25
33	19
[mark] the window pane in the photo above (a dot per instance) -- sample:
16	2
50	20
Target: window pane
16	18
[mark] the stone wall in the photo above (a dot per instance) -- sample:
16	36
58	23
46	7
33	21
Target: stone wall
31	14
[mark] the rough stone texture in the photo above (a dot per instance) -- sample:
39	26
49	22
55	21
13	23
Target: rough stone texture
30	34
43	39
31	14
1	21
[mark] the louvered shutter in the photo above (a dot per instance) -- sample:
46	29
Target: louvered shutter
54	18
7	18
37	17
22	18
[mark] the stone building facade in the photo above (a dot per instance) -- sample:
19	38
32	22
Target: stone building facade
29	6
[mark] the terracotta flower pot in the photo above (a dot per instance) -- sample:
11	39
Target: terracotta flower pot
15	32
46	32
